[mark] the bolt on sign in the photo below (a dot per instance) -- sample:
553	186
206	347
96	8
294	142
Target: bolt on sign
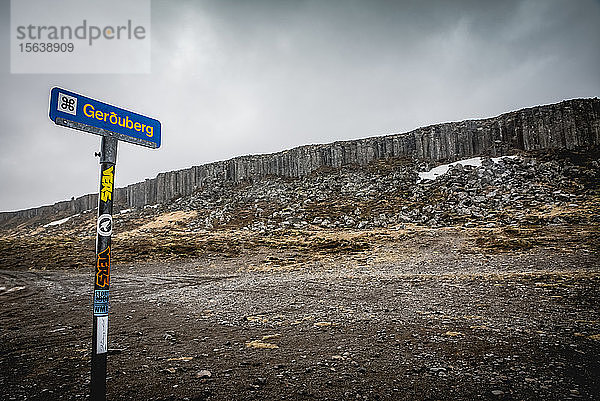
112	123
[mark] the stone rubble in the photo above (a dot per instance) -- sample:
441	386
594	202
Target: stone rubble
509	191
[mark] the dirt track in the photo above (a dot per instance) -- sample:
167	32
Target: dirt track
419	317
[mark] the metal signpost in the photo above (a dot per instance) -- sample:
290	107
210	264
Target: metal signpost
113	124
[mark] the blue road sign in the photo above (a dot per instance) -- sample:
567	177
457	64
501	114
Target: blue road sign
79	112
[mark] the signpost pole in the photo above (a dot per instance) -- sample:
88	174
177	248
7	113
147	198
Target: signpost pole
72	110
108	159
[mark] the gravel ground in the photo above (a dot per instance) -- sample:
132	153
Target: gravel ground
439	314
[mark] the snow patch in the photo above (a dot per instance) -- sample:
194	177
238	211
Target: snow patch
125	211
61	221
443	169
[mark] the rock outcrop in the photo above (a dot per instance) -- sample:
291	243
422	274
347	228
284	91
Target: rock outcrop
531	189
571	124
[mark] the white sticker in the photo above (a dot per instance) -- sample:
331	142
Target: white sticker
104	226
67	104
102	335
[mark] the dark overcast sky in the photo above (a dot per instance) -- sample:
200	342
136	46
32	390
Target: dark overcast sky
243	77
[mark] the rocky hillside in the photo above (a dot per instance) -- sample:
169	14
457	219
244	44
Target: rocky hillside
508	203
526	189
572	125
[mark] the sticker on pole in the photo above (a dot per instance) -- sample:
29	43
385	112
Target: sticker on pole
102	335
100	302
105	223
82	113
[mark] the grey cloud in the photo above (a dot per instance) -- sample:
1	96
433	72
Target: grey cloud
232	77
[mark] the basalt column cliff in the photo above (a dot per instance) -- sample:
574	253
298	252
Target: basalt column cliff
570	124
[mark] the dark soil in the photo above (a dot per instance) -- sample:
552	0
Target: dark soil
423	314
